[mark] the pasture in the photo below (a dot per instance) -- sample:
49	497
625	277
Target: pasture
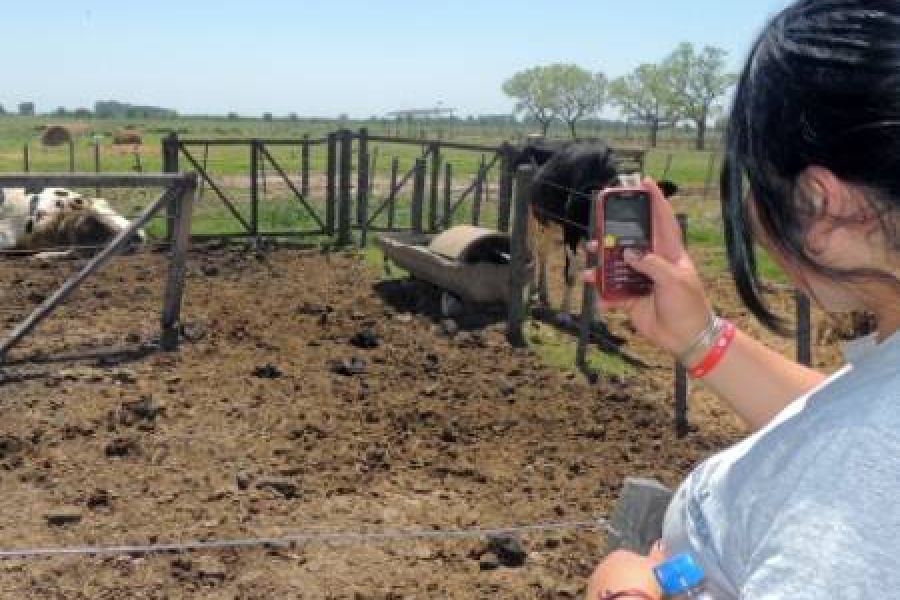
315	393
672	159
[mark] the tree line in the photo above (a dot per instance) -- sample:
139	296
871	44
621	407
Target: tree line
686	86
103	109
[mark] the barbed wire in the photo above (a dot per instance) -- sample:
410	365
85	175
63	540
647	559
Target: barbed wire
307	538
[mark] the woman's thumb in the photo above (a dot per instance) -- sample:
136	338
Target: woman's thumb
652	265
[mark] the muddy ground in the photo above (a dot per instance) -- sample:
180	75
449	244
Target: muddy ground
309	396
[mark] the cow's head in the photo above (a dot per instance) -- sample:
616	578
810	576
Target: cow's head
68	220
668	188
576	168
97	224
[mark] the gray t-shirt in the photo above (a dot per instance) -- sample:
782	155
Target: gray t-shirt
809	506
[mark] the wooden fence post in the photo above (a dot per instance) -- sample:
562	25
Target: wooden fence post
418	199
804	343
71	156
304	166
504	193
97	160
330	187
681	379
26	158
362	176
170	165
171	313
448	195
435	183
254	187
392	198
587	299
478	193
345	196
201	186
519	258
364	203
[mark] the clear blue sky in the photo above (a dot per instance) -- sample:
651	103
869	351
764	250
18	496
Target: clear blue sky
326	57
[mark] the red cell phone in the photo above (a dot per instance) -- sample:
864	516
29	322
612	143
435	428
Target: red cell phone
624	220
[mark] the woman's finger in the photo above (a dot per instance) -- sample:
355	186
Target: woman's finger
651	264
666	230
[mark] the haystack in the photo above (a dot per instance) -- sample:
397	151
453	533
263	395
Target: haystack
56	135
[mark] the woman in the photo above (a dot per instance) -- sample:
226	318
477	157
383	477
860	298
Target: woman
806	507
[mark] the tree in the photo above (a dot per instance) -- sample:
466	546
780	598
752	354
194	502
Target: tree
26	109
267	116
536	95
644	96
698	80
579	93
2	110
232	116
83	113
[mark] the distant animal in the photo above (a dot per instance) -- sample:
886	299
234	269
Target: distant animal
567	176
127	136
57	222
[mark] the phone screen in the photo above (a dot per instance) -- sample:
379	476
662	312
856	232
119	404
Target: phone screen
627	217
627	223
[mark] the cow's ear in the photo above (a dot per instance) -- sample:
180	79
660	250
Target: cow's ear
668	188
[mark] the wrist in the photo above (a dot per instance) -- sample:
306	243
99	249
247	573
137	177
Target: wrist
725	333
693	350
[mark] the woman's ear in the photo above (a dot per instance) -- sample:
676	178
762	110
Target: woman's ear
832	208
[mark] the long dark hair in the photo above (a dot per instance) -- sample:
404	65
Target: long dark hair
821	87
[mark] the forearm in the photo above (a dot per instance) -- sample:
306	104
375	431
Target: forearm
758	382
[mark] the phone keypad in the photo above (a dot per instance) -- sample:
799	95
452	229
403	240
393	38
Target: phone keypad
618	277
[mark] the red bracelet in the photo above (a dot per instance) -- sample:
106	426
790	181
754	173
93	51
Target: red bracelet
623	594
715	354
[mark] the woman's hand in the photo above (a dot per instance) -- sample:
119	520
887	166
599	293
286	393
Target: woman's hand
625	570
677	310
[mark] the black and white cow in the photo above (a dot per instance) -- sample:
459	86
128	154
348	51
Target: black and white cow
57	222
567	176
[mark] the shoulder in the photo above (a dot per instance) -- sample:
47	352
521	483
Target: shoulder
824	524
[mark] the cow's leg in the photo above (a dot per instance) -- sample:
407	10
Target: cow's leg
538	239
569	275
543	289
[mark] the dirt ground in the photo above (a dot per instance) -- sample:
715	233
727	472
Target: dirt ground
309	396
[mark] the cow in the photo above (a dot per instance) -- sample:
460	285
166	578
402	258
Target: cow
57	222
568	173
